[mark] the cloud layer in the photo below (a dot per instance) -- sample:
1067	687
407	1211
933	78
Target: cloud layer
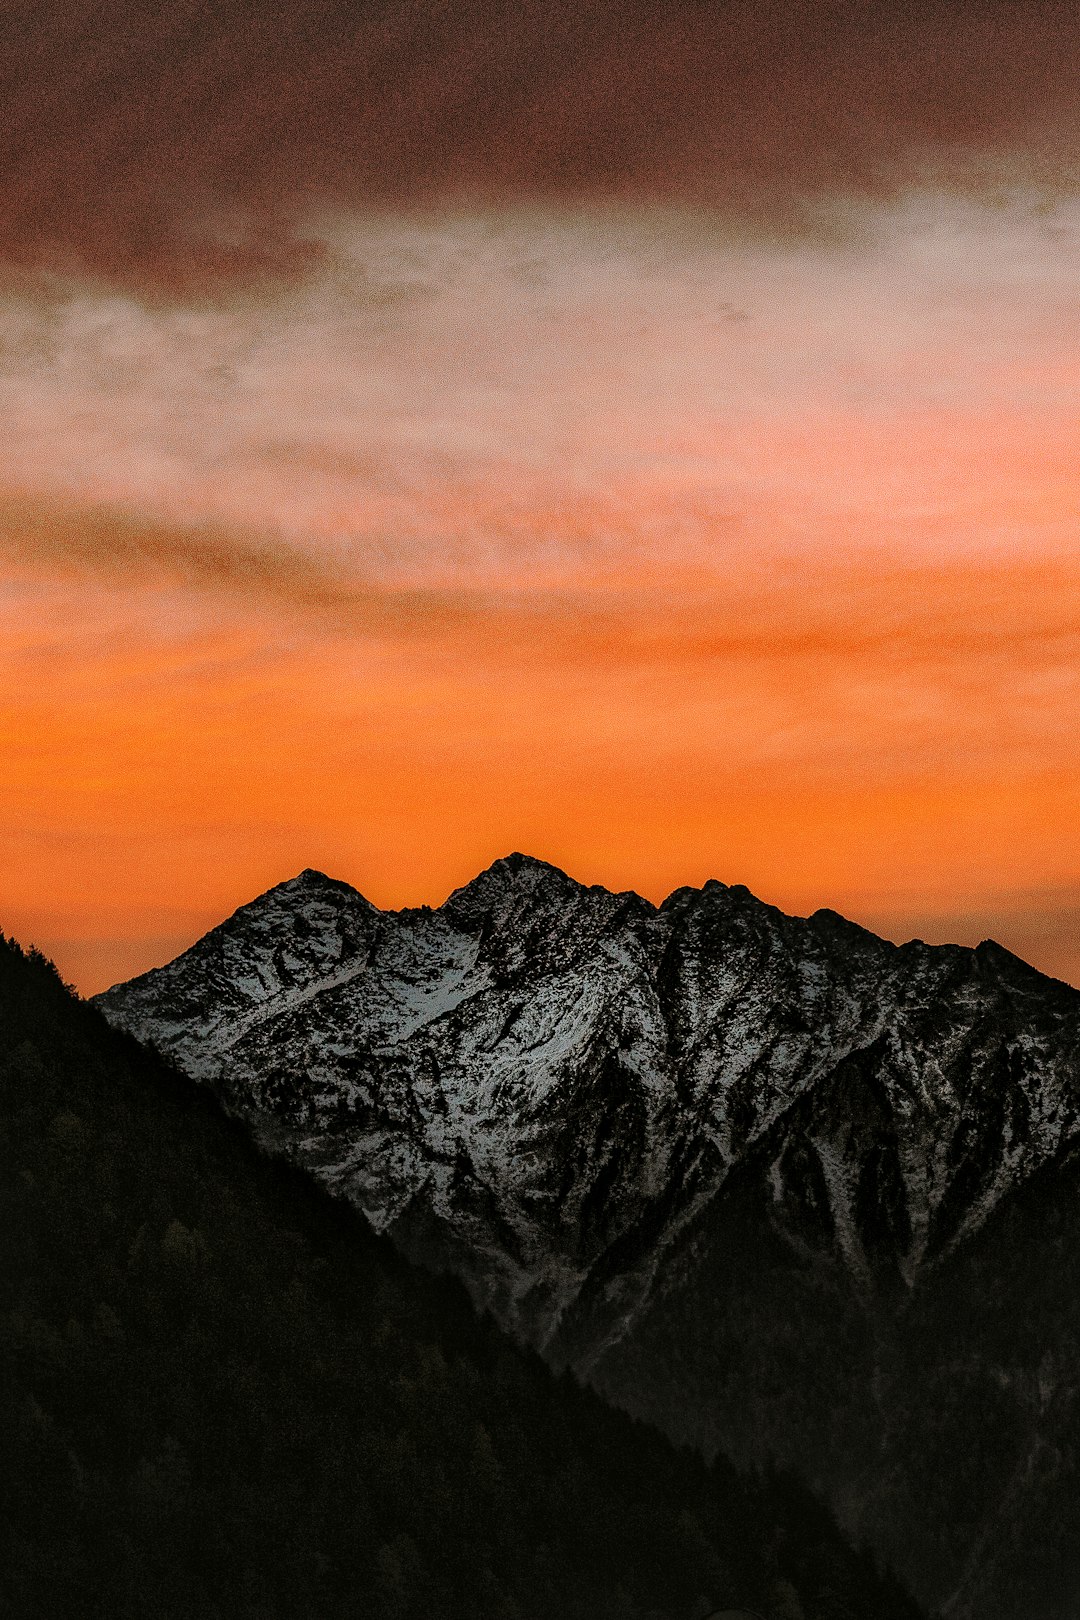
502	401
176	147
644	434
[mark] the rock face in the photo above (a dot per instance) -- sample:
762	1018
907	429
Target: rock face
734	1166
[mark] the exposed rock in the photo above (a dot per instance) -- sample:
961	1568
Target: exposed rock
706	1153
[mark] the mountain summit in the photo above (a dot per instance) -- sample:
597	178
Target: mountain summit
714	1157
556	1060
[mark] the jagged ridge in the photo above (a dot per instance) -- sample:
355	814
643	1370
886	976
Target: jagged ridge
536	1068
705	1152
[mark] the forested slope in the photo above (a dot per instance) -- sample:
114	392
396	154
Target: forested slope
223	1396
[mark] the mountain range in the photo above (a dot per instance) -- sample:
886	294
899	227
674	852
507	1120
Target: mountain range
223	1397
786	1190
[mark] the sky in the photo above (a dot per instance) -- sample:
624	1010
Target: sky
641	435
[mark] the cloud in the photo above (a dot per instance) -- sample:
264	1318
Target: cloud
593	426
644	432
177	149
249	572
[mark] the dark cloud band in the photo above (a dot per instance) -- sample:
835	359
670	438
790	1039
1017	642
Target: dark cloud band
179	146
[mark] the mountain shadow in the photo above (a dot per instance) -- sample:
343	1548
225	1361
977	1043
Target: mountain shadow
224	1397
787	1191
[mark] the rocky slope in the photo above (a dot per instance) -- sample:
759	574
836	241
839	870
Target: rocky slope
715	1157
222	1397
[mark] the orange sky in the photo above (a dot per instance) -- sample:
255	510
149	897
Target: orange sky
896	743
660	522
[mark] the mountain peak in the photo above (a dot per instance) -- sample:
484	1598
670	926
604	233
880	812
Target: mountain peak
603	1116
512	875
516	865
712	892
312	881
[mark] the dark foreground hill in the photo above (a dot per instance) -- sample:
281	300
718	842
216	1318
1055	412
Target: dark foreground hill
780	1187
223	1396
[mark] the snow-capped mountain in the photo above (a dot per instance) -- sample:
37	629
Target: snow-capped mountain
537	1071
658	1143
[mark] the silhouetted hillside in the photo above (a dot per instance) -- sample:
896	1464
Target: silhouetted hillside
223	1396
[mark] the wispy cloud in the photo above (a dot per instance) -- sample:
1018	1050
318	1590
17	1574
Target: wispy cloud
645	434
115	547
910	395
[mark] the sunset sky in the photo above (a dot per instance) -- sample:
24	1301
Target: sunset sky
646	436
